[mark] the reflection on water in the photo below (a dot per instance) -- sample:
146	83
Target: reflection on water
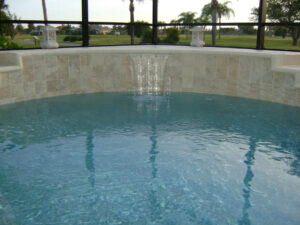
250	158
153	151
117	159
89	160
156	212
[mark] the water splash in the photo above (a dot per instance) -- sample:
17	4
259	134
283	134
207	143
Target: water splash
149	74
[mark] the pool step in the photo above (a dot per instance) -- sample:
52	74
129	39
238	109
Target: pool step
11	68
291	69
291	60
9	62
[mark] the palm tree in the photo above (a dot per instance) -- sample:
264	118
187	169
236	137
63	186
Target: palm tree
44	10
214	4
3	5
187	18
131	9
221	11
254	14
3	16
224	11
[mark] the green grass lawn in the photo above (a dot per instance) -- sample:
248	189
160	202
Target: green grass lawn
245	41
20	39
279	43
96	40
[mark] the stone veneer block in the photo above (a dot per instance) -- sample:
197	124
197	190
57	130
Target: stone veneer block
63	67
283	80
290	96
174	60
4	79
176	83
97	65
232	67
51	67
187	78
18	90
220	86
27	68
15	78
199	68
222	67
199	85
245	68
38	67
74	66
211	66
266	92
5	92
29	90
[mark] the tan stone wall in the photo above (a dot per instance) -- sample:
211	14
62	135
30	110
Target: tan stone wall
62	73
242	76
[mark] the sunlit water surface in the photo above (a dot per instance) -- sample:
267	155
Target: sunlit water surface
179	159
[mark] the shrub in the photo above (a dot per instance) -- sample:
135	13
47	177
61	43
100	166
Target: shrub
172	35
147	36
140	27
7	44
67	38
247	30
73	38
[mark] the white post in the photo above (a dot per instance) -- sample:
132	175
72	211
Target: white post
197	37
49	36
49	32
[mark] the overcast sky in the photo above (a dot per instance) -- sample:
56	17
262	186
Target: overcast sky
118	10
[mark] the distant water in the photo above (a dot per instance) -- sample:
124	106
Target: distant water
116	158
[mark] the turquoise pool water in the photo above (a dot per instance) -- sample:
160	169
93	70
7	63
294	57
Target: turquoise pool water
179	159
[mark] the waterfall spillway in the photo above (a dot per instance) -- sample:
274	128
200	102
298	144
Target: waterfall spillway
149	74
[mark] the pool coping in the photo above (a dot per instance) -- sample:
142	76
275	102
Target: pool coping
277	56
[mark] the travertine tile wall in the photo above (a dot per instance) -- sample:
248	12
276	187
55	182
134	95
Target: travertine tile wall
243	76
47	75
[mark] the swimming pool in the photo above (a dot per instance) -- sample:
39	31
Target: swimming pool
183	158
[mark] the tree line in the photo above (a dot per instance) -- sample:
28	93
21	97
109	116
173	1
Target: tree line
283	11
